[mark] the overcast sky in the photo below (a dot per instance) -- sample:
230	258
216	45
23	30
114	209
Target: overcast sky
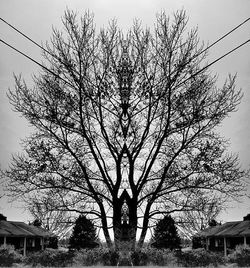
35	18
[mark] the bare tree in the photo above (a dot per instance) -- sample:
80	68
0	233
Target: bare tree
60	222
130	122
207	209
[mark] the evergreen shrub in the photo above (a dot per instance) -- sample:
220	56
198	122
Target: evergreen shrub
84	234
50	257
87	257
8	256
110	258
161	257
241	256
139	258
166	234
199	257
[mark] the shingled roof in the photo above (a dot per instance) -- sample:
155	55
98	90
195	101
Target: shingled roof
228	229
15	228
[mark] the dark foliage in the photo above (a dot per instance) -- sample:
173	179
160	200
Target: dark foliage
197	242
83	235
199	257
247	217
139	258
53	242
166	234
37	223
8	256
241	256
110	258
50	257
2	217
213	223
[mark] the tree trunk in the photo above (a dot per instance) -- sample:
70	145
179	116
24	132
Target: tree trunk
144	226
105	227
143	233
125	222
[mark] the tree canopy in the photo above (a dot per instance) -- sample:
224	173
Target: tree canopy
125	118
166	234
57	221
84	234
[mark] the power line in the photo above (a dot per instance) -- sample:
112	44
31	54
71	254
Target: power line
56	75
24	35
192	76
36	62
214	43
225	35
44	67
213	62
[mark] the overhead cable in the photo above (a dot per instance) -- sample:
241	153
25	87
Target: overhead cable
213	62
24	35
214	43
225	35
192	76
36	62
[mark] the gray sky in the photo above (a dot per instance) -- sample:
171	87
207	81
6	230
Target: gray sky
213	18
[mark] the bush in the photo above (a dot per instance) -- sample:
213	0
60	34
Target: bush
87	257
106	258
241	256
139	258
166	235
50	257
90	257
53	242
8	256
110	258
197	242
161	257
83	235
155	256
199	257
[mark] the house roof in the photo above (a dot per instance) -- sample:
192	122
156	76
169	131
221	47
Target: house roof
15	228
228	229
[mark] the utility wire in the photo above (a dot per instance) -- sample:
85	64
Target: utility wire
214	43
210	64
213	62
36	62
56	75
44	67
225	35
192	76
24	35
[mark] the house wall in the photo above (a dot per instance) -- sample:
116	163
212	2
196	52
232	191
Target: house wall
217	243
32	243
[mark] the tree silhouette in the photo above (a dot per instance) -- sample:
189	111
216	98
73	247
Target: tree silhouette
125	117
213	223
57	221
37	223
200	216
247	217
84	234
2	217
166	234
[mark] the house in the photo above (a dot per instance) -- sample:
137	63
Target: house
22	236
226	236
